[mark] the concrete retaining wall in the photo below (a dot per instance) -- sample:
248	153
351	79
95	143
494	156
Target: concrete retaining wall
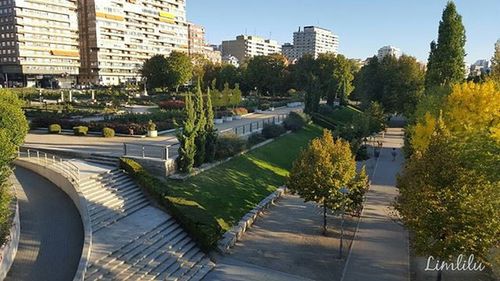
9	249
154	166
72	190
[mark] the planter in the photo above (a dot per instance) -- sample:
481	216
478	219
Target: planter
271	109
227	118
237	117
152	134
219	121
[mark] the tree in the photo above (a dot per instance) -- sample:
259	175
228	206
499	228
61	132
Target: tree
200	123
200	65
321	170
179	69
495	64
446	59
211	131
155	71
450	208
186	138
306	79
266	73
357	189
12	117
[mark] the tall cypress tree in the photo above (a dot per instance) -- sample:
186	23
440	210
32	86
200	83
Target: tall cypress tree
200	124
211	131
495	64
186	137
446	60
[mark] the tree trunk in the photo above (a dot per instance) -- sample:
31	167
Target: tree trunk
324	218
440	275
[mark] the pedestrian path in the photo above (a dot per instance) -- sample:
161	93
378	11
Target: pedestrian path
380	250
51	239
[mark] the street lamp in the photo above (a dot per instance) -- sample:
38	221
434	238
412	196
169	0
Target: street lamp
344	191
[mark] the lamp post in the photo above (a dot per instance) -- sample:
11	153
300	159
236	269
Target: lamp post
344	191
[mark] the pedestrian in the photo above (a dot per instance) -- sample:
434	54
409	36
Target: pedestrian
394	154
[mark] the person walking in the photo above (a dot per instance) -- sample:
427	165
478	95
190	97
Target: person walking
394	154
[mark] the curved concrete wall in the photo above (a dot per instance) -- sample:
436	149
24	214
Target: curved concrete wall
73	191
9	249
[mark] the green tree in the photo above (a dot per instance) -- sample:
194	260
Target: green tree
186	136
154	70
266	73
495	64
321	170
179	70
446	59
200	123
305	73
450	208
357	189
12	117
200	65
211	131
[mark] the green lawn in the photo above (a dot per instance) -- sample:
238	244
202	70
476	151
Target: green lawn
345	114
230	190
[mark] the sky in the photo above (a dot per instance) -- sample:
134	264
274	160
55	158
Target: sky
362	25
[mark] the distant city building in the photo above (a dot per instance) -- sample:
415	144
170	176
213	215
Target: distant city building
245	47
198	45
311	40
480	67
116	37
388	51
232	60
39	41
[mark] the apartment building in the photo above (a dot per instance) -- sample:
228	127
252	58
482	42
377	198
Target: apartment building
311	40
388	51
245	47
198	44
39	42
117	36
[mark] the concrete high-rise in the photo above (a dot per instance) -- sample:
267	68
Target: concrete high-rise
245	47
388	51
117	36
198	44
311	40
39	42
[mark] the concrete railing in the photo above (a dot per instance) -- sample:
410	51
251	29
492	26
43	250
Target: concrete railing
50	160
8	250
63	176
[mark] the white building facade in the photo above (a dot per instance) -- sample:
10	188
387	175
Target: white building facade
246	47
311	40
388	51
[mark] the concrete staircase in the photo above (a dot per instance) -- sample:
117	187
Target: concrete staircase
133	240
108	160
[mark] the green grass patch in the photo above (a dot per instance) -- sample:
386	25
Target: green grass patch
345	114
230	190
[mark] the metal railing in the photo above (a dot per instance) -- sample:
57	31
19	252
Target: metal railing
163	152
51	161
255	126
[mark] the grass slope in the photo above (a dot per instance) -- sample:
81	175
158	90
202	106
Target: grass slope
230	190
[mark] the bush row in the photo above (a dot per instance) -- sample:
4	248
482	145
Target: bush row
81	130
200	225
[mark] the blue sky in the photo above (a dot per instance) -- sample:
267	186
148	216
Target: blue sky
363	25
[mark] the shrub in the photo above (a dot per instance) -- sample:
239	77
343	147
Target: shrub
255	139
296	121
200	225
172	104
228	145
271	131
362	153
264	106
81	130
151	126
240	111
54	129
108	132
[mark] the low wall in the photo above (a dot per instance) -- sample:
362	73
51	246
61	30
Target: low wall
155	166
9	249
72	190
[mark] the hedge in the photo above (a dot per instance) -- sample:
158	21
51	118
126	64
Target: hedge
108	132
80	130
271	131
296	121
201	226
54	129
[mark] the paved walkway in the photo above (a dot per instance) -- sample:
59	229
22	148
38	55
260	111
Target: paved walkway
114	146
51	239
380	249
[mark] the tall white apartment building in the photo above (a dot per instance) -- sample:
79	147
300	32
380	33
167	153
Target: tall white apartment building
117	36
311	40
388	51
39	40
245	47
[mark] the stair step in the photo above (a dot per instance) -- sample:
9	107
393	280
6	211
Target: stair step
168	271
103	180
135	245
96	196
191	259
117	206
114	219
202	269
